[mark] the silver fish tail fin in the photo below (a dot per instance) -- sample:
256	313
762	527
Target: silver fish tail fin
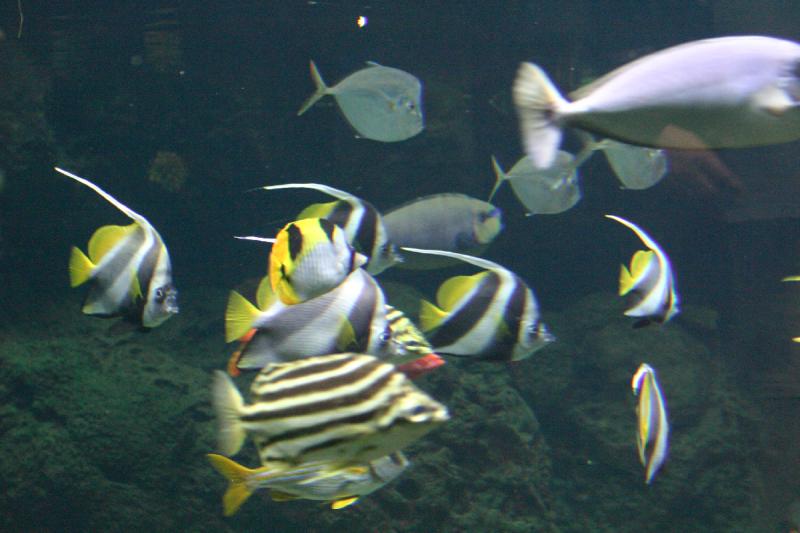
228	404
321	89
500	177
537	102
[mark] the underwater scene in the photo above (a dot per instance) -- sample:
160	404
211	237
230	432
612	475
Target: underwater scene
400	266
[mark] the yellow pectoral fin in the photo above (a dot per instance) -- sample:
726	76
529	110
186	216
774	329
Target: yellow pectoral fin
453	290
239	316
80	267
791	278
317	210
135	288
238	492
346	340
105	238
430	316
344	502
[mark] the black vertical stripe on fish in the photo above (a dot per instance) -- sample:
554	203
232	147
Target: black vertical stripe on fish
366	236
458	324
362	315
328	227
328	384
503	346
148	266
341	213
295	241
336	399
120	265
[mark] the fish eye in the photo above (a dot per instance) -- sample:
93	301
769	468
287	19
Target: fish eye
385	336
160	294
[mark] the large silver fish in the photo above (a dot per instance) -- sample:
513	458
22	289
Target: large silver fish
342	408
726	92
450	221
492	315
648	280
652	430
128	269
308	481
380	103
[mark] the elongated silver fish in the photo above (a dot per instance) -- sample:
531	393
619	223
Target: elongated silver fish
380	103
726	92
649	281
451	221
128	269
308	481
362	224
492	315
652	427
310	257
343	409
352	317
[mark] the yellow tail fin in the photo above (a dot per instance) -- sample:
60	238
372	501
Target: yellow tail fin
80	268
239	316
237	475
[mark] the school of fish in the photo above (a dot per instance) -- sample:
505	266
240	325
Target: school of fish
331	363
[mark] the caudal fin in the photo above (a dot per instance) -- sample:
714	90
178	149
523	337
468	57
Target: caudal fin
500	177
228	404
321	91
238	492
537	102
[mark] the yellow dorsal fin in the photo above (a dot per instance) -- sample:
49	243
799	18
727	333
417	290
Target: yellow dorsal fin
105	238
317	210
239	316
80	267
454	289
430	316
343	502
625	280
264	295
279	496
346	340
639	263
237	475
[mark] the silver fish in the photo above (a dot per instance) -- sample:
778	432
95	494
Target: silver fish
652	425
636	167
545	191
380	103
450	221
649	280
128	269
728	92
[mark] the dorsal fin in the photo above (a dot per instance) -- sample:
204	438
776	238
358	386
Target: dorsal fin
453	290
105	238
317	210
430	316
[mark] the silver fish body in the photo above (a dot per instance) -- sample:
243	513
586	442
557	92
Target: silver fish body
451	221
128	269
546	191
380	103
728	92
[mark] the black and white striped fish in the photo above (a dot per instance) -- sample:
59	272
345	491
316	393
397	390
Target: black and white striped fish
362	224
343	408
492	315
128	269
352	317
649	282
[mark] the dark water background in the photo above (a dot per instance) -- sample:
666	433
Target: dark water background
100	88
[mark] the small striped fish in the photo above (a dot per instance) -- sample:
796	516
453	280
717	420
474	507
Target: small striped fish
309	258
491	315
128	269
652	430
352	317
342	408
362	224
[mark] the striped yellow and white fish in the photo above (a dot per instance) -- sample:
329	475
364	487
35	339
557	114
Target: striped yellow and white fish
362	224
793	278
310	257
342	409
352	317
128	269
492	315
648	280
451	221
307	481
652	426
